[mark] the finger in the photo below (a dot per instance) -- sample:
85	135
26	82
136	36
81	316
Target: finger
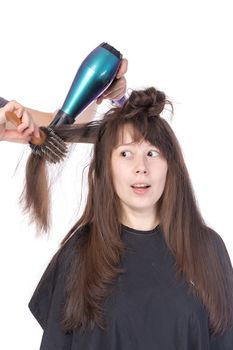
119	84
117	97
14	136
28	131
32	130
22	127
19	112
26	126
119	88
16	107
123	68
114	95
26	118
100	99
26	122
15	104
2	118
36	131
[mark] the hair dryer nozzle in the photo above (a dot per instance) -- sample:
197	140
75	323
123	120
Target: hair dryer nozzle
112	50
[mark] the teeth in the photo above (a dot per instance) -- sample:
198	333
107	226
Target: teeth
140	185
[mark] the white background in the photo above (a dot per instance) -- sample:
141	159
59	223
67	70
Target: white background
180	47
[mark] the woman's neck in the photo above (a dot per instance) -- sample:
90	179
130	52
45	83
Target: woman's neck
140	222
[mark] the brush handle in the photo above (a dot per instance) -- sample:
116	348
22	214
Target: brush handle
12	118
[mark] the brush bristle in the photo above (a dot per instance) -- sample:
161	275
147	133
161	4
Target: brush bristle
53	149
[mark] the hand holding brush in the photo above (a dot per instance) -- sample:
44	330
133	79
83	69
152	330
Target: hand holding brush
27	126
50	145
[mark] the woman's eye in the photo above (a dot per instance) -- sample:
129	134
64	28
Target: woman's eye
125	153
153	153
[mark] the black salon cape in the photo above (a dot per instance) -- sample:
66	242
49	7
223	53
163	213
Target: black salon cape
149	308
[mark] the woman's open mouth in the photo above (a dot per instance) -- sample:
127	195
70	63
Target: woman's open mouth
140	188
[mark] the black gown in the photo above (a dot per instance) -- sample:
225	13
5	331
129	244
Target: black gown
149	308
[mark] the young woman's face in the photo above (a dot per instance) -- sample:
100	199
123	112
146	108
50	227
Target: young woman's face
139	174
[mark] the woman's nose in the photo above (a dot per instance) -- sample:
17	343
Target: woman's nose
141	166
143	171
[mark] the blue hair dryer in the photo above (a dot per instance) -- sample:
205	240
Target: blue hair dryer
93	77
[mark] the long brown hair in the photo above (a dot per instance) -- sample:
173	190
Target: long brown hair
200	254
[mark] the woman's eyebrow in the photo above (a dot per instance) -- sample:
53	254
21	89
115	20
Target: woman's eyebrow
126	144
134	144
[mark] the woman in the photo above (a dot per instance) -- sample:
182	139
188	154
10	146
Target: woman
140	269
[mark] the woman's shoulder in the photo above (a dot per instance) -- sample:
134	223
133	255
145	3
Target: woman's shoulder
216	239
54	276
71	242
220	250
74	237
61	260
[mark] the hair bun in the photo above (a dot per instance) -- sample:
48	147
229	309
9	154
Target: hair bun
151	99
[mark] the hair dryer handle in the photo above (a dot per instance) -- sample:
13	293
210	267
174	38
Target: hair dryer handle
119	102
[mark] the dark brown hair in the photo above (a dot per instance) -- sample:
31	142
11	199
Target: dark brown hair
201	256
